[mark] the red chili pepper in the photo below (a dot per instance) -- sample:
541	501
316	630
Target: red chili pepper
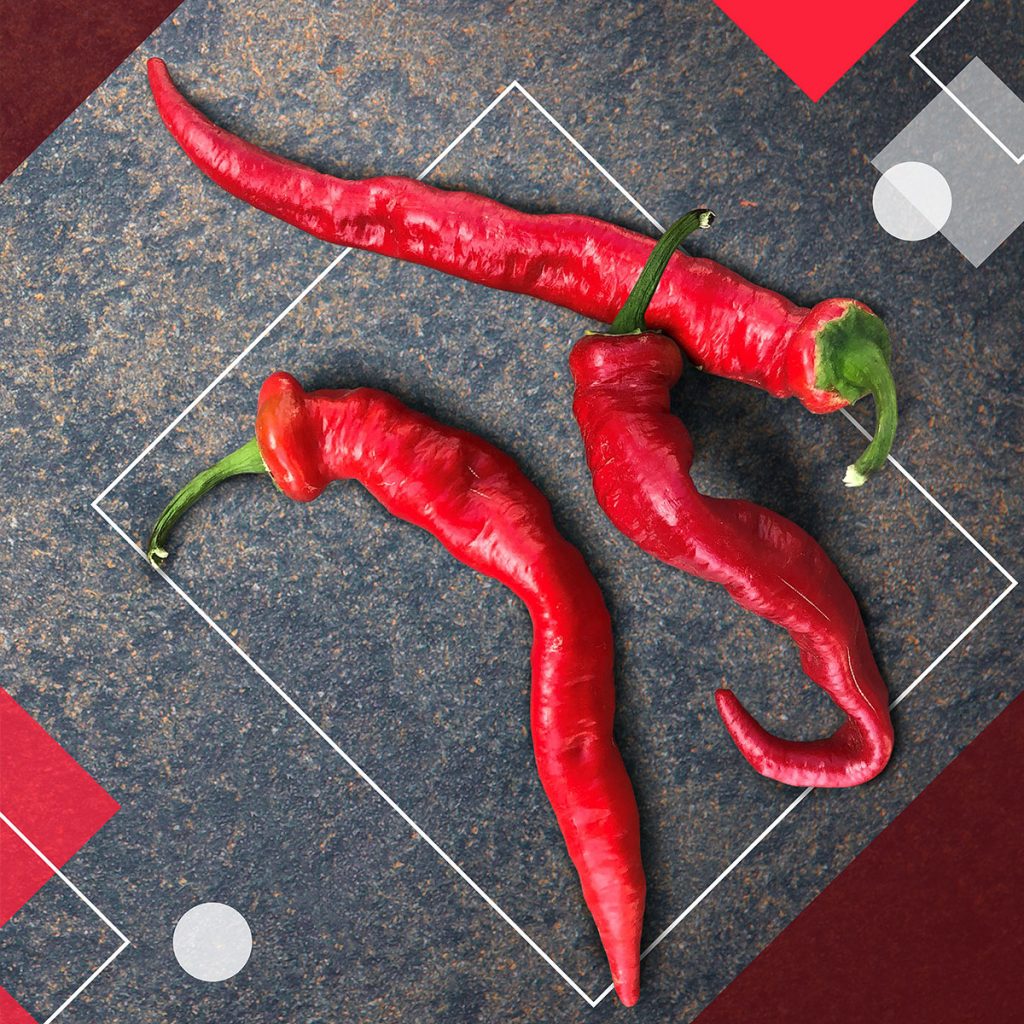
477	502
639	456
827	357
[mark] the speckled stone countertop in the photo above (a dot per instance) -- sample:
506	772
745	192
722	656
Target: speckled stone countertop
129	284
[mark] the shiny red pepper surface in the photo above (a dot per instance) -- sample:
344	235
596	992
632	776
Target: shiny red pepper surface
477	502
639	455
726	325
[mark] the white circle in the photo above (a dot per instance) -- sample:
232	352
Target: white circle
912	201
212	942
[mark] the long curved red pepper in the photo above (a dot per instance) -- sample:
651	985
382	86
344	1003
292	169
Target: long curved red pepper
477	502
639	456
827	356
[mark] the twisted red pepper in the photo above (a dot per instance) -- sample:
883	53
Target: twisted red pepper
827	357
478	503
639	456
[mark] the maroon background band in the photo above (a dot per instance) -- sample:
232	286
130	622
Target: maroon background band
924	925
54	53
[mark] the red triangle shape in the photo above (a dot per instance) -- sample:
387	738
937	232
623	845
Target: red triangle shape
815	42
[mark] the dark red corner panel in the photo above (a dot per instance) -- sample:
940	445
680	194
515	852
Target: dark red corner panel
53	54
926	926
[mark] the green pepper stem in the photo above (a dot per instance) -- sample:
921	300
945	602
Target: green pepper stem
246	459
868	367
853	353
631	317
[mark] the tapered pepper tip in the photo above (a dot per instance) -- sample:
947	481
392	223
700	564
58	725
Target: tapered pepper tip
157	73
629	994
246	459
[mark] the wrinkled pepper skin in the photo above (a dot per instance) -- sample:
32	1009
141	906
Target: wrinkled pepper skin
726	325
639	456
476	501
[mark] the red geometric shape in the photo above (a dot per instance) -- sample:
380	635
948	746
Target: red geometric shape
47	795
11	1011
59	52
815	42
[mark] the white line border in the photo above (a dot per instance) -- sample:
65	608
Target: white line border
95	505
88	902
290	701
952	95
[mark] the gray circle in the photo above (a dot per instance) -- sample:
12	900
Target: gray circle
212	942
912	201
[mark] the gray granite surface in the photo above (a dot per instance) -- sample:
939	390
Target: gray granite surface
129	282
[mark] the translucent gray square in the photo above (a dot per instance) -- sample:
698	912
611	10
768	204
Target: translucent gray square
987	184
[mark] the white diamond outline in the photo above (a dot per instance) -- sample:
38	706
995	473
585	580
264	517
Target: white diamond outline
125	942
952	95
593	1002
